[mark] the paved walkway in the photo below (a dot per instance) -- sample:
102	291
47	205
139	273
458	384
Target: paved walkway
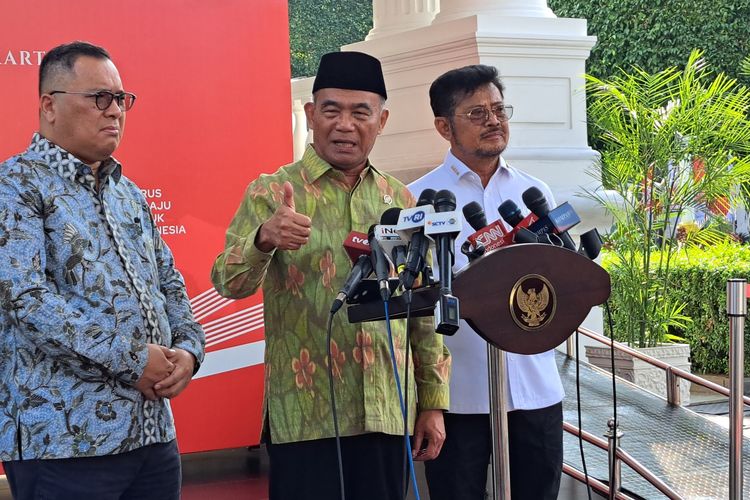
686	450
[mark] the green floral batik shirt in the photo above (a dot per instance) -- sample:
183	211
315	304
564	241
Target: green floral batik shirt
298	289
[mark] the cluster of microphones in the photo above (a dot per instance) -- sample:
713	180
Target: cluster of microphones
404	237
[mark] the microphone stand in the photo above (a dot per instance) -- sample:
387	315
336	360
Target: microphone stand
498	424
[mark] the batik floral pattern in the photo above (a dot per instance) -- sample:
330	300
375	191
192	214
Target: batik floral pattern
72	337
299	287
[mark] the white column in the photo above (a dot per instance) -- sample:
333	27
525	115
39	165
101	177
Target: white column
300	134
396	16
455	9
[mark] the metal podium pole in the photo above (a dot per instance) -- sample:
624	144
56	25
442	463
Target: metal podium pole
499	424
736	310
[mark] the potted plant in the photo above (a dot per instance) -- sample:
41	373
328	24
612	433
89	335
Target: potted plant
673	146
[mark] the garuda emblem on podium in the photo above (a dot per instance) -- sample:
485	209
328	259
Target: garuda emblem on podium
532	302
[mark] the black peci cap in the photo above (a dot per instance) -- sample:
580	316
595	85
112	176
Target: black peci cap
350	71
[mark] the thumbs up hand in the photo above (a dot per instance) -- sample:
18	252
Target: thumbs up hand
285	229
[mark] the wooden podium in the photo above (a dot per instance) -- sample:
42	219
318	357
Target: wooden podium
529	298
524	298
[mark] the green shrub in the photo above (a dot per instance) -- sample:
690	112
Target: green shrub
655	34
700	281
320	26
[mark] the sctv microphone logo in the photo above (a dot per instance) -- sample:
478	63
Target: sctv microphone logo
415	218
438	223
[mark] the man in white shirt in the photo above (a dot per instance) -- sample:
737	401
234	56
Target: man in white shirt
471	115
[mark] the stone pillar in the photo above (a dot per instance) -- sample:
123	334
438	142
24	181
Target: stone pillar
456	9
396	16
541	59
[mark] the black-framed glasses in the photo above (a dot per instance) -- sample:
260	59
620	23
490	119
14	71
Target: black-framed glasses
104	98
481	114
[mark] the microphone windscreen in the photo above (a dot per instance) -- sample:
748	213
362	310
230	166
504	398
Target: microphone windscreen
534	199
445	201
474	214
390	216
426	197
510	212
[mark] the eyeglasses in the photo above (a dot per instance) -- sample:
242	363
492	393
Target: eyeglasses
104	98
481	114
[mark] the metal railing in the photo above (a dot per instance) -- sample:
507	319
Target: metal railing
672	373
624	457
673	376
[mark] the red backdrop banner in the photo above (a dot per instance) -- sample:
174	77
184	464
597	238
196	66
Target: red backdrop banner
213	112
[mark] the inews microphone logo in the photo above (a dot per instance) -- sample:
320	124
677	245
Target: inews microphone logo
12	57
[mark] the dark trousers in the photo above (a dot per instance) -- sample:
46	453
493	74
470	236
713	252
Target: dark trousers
149	473
535	450
372	464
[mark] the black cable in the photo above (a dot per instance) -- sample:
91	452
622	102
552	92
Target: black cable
400	394
612	359
333	405
616	425
580	421
406	396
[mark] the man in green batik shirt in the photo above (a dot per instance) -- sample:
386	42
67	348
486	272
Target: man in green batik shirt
287	236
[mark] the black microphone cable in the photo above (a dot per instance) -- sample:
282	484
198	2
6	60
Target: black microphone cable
407	442
406	386
614	395
580	422
616	424
333	405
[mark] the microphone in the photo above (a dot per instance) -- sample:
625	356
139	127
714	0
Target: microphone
494	235
443	227
556	221
474	215
356	244
486	237
361	270
390	239
510	213
380	263
357	247
411	227
591	244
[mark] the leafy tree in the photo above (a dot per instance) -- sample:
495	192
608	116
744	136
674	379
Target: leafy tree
673	141
320	26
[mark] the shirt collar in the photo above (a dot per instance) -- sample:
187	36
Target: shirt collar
458	169
316	166
71	168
